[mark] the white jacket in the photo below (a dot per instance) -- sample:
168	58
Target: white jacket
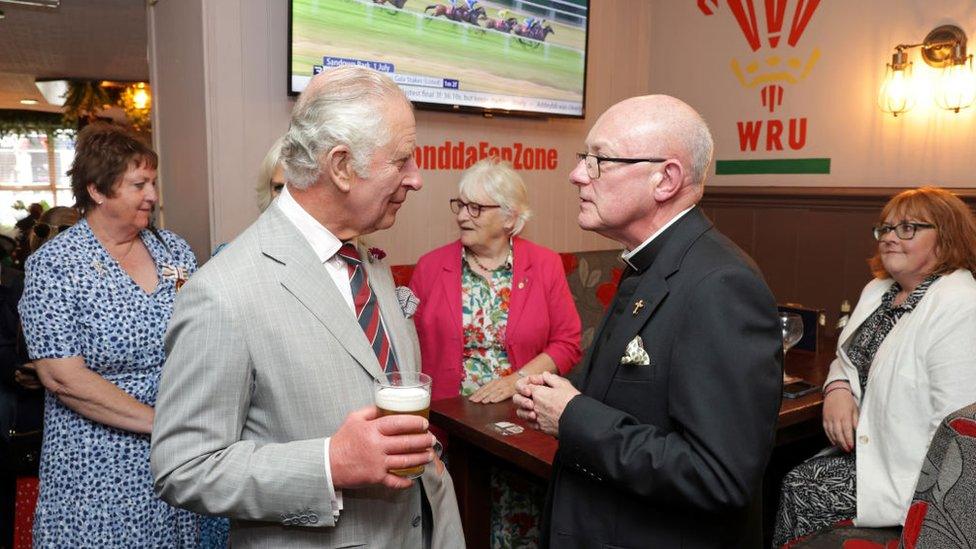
924	369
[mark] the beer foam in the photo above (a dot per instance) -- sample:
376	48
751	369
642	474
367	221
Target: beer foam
403	399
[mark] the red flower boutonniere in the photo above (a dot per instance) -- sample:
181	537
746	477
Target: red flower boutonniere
377	254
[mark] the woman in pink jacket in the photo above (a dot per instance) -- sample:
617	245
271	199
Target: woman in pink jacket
493	307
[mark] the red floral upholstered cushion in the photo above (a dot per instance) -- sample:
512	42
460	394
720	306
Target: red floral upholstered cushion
402	274
593	279
845	535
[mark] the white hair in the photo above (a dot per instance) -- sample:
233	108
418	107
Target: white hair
701	147
268	166
341	106
503	185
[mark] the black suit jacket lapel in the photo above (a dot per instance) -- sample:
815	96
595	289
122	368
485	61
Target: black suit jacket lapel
652	289
660	261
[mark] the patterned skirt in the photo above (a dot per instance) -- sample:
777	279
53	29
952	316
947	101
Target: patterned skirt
516	509
815	495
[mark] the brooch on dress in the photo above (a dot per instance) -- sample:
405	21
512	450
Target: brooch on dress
178	275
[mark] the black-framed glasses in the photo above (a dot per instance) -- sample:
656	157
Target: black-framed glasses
592	162
474	209
43	230
276	187
904	230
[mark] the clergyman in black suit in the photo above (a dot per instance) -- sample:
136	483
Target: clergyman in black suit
666	426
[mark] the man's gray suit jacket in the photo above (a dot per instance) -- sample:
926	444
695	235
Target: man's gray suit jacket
265	360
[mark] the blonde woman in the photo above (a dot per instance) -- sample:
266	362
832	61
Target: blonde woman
271	178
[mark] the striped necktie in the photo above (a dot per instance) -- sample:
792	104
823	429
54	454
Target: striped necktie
367	310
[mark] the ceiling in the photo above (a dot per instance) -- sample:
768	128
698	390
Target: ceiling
84	39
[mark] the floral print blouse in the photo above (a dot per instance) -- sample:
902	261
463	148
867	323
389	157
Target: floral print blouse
484	318
874	330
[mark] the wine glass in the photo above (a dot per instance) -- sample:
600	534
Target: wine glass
792	326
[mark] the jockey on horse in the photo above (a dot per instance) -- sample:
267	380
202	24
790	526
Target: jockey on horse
533	23
461	12
504	23
467	11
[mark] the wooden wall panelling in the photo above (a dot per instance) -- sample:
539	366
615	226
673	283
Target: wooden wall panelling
812	244
776	249
736	223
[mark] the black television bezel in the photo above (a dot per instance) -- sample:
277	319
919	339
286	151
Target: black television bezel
486	112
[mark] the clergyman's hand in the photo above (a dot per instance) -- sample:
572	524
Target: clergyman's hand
549	401
522	398
366	447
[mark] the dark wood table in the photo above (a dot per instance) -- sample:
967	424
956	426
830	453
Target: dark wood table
475	445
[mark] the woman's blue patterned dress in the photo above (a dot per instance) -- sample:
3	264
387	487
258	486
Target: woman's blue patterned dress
96	487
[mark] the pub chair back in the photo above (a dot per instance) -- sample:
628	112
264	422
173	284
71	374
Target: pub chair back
942	511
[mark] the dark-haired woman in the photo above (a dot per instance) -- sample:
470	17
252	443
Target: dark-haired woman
96	303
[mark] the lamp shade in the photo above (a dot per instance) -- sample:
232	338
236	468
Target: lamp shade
897	94
957	86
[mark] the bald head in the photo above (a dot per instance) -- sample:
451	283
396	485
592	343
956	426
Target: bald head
646	161
663	126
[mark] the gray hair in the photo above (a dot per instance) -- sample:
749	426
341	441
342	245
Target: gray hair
268	166
701	147
503	185
341	106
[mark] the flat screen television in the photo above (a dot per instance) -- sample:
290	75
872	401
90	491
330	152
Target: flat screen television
519	57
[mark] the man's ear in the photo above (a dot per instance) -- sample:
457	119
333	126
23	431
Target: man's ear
667	182
338	166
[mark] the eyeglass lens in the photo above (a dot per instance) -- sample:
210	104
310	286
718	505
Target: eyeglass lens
592	165
474	209
904	231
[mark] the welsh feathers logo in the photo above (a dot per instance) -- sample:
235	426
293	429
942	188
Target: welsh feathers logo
777	61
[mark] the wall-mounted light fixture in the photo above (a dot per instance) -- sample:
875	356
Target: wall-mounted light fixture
945	48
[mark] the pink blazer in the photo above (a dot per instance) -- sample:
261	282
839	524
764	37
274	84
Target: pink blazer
542	316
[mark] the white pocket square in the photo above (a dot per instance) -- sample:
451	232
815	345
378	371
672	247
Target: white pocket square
635	353
408	301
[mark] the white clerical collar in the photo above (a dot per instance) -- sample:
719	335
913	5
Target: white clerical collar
323	242
627	254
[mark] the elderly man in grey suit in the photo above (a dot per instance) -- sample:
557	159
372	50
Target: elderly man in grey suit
264	412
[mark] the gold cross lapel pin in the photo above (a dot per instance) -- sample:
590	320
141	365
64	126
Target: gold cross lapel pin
638	305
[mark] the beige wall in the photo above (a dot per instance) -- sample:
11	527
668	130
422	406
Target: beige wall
242	67
179	121
219	68
692	56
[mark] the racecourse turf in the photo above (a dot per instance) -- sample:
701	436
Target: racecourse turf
481	61
565	35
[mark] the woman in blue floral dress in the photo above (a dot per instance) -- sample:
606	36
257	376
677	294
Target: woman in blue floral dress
96	303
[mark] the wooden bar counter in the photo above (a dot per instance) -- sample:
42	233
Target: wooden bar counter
475	445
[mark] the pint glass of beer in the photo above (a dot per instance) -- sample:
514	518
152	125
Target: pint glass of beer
403	393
